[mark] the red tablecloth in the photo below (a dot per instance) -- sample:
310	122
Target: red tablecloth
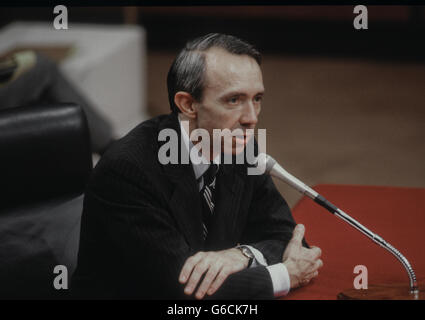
395	214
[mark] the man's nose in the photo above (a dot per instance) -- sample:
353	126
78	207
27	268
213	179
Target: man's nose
249	115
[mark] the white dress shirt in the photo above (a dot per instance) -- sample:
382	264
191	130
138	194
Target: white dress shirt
278	272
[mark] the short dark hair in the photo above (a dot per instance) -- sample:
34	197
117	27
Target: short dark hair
188	68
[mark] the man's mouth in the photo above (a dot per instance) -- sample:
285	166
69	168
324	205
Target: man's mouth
243	139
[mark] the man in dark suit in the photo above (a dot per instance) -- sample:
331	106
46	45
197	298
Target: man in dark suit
155	230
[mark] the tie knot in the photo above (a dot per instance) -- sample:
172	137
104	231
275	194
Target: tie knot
210	174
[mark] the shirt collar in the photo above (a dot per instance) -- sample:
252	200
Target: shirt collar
199	169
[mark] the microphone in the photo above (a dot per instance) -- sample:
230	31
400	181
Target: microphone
274	169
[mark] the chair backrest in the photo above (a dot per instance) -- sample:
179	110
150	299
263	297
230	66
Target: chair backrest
44	153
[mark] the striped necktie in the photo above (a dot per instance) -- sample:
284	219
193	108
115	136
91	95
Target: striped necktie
207	195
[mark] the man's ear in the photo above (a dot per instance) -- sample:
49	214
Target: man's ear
185	102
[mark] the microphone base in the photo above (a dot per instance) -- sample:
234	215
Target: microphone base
383	292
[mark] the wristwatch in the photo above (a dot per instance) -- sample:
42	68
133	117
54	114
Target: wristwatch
247	253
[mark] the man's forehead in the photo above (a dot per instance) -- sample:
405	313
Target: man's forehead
223	67
218	58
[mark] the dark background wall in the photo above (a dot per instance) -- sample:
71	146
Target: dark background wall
394	31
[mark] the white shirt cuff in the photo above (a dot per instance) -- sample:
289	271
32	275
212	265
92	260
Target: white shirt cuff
280	279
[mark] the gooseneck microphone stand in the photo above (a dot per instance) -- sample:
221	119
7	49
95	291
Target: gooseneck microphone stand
274	169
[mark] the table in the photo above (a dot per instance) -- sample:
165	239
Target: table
397	214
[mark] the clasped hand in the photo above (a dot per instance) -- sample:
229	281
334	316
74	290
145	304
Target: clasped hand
302	263
217	265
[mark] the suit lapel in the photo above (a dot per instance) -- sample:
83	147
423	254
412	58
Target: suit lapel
224	231
185	204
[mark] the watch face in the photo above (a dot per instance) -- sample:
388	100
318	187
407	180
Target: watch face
248	253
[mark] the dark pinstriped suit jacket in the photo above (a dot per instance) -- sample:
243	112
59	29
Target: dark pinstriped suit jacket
142	220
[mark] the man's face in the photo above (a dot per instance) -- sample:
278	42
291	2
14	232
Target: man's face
232	94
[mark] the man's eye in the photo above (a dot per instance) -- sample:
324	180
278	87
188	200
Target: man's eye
258	99
233	100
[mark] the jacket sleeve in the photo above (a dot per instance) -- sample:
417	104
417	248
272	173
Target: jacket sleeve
270	223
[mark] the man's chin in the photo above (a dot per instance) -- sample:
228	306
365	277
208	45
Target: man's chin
238	146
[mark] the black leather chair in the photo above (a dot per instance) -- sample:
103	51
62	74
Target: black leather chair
45	163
